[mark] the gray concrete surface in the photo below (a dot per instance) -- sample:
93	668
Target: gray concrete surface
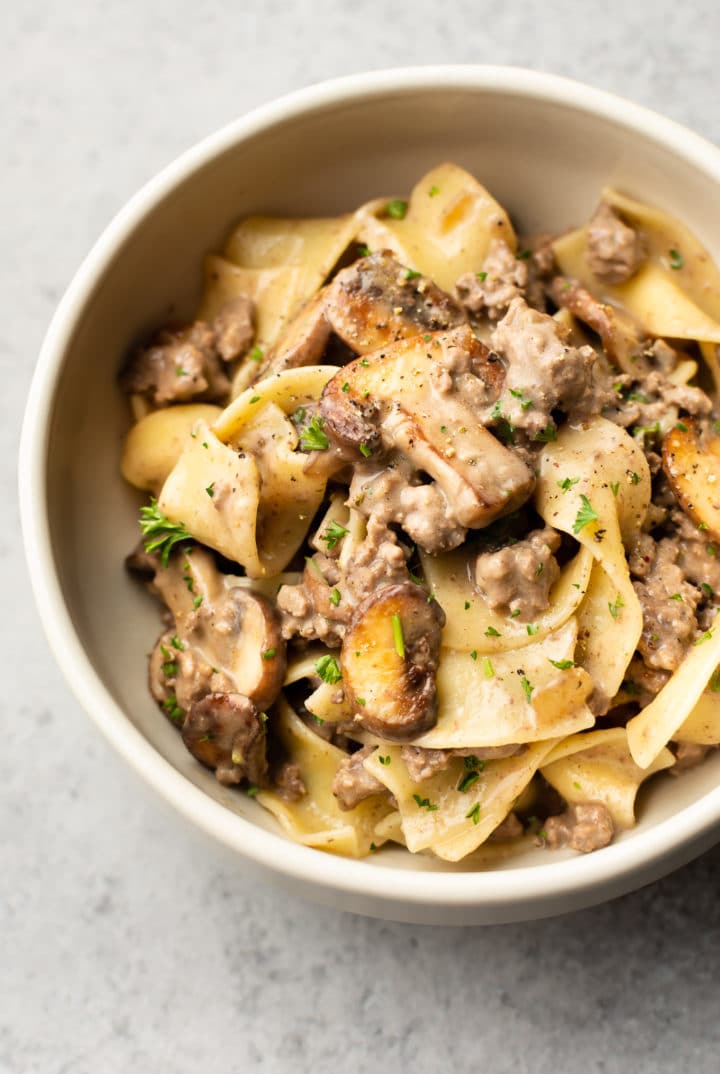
125	945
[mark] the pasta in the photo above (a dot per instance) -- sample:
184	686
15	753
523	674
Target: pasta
433	520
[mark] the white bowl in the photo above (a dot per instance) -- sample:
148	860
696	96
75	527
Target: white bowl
544	146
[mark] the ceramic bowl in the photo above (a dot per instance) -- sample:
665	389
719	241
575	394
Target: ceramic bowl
544	146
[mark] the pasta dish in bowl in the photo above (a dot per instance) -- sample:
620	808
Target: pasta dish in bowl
432	519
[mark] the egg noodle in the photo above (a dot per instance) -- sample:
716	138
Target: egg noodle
432	514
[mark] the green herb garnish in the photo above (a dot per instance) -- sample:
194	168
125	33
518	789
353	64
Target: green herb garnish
585	515
328	669
161	535
313	438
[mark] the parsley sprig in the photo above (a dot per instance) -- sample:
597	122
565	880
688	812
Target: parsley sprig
160	534
328	669
313	437
585	515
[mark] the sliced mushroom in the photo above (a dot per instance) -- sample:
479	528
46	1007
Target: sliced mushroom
376	301
621	336
370	304
227	733
389	659
422	397
225	631
691	462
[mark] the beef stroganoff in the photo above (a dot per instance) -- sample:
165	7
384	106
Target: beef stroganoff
433	519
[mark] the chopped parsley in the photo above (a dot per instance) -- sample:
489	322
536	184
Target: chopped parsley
365	451
172	709
334	533
398	636
313	438
615	486
585	515
615	607
467	605
433	191
676	259
491	632
256	354
523	255
527	687
412	274
505	427
715	681
474	654
169	669
488	669
468	780
424	803
705	637
562	665
335	597
269	654
473	762
396	209
252	788
567	483
363	250
161	535
676	596
197	601
681	426
211	489
385	760
634	478
328	669
255	399
707	589
546	435
474	814
482	276
176	643
532	628
346	387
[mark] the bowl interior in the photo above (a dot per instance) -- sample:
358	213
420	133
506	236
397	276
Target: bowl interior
545	160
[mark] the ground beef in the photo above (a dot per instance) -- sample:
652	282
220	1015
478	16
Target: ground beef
396	494
422	763
614	250
503	278
544	372
668	603
688	755
586	826
656	400
313	609
289	782
698	555
179	366
507	830
234	328
352	782
518	578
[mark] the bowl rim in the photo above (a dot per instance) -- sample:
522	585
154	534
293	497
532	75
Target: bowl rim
622	865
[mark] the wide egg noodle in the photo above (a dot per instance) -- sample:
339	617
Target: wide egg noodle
658	723
471	625
327	702
316	820
154	444
606	466
702	726
437	815
225	520
450	222
681	303
484	701
276	293
598	767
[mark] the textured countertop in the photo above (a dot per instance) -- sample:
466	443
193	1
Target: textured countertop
124	944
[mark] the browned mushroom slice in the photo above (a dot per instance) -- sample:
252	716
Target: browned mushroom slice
371	304
621	336
422	397
691	462
227	629
377	301
227	733
389	659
